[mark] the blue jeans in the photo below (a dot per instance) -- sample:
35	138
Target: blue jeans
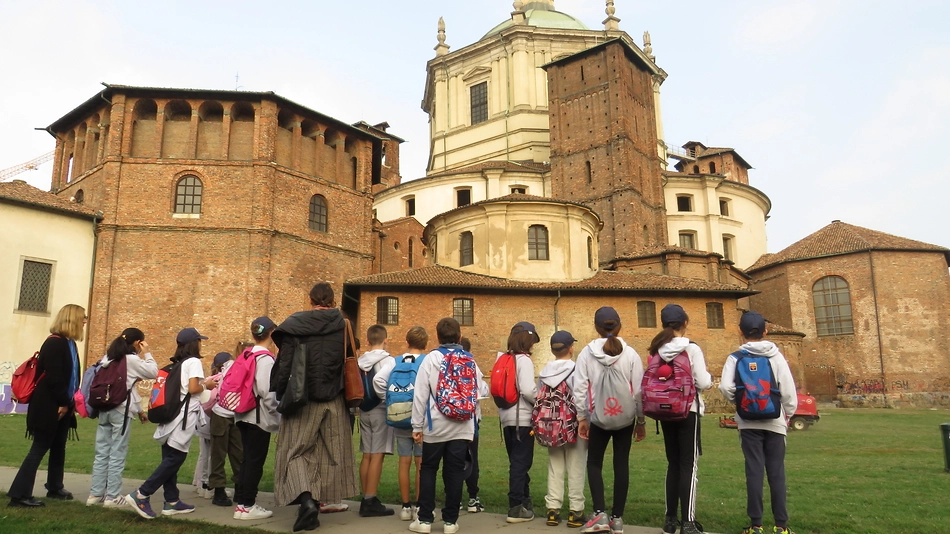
111	449
520	446
166	474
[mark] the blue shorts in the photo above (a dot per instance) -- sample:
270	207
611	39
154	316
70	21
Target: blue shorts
405	446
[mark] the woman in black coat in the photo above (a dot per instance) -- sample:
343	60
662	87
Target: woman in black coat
51	413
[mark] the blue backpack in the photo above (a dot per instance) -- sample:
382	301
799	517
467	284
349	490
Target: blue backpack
400	391
757	393
87	377
370	398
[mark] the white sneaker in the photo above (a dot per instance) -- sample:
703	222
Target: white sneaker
114	502
228	491
450	528
240	511
204	493
256	512
406	513
420	526
92	500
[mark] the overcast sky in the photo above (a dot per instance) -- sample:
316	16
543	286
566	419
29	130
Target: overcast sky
842	107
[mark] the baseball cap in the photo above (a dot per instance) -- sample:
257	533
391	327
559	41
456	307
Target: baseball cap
561	340
261	325
525	326
605	315
220	359
752	324
673	313
187	335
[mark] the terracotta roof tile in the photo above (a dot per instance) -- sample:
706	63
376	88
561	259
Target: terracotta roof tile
447	277
841	238
21	192
779	329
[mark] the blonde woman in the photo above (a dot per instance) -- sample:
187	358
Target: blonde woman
51	414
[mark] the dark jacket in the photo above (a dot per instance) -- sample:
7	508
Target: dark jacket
320	333
52	391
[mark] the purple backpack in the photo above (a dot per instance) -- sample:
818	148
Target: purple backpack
668	388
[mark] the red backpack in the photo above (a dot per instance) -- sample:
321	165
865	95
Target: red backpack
668	388
236	391
504	381
24	378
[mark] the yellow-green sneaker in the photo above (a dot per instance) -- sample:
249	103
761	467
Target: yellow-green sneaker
782	530
753	530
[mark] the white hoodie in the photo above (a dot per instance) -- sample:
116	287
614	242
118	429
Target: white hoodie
697	362
783	378
423	403
379	360
556	372
520	414
591	363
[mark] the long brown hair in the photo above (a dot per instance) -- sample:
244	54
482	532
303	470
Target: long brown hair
612	346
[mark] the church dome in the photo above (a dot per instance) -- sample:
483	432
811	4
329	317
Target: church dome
541	14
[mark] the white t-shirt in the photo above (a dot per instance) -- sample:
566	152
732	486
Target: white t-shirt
190	368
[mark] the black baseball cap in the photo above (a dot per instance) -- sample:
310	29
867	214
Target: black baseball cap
752	324
673	313
188	335
561	340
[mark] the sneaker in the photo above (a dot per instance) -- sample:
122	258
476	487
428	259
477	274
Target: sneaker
141	506
423	527
554	518
450	528
114	502
670	525
782	530
204	491
519	514
616	525
406	513
475	506
255	512
92	500
692	527
373	508
239	511
576	519
597	523
753	530
179	507
221	498
333	507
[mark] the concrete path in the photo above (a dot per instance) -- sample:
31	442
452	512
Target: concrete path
283	518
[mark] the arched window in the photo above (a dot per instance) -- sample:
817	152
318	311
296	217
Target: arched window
466	249
832	299
712	167
188	195
79	197
537	242
590	252
695	169
318	213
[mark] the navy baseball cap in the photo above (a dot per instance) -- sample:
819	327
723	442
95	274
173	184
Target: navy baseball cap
673	313
605	315
752	324
525	326
261	325
188	335
561	340
220	359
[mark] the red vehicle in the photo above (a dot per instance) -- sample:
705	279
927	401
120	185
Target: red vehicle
805	415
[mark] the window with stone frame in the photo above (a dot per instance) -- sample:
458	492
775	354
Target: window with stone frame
684	203
714	315
463	310
188	193
832	299
317	219
35	280
688	239
466	249
646	314
479	100
537	242
387	310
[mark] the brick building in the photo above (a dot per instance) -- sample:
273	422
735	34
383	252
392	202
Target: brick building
217	207
873	308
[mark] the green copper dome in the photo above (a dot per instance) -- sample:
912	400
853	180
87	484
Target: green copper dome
542	15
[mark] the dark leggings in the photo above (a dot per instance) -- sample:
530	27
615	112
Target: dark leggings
682	443
597	446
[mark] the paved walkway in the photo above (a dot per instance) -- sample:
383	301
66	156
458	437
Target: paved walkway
283	518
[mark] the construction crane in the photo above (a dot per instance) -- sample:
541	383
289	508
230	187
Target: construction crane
32	165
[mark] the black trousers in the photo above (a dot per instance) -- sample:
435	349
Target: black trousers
166	474
682	442
452	455
596	447
520	446
472	481
55	444
256	442
764	452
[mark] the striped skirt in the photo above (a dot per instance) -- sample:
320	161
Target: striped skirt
315	454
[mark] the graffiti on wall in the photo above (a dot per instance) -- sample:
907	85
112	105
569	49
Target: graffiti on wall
7	404
868	386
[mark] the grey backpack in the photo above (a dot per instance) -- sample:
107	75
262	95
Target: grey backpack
613	406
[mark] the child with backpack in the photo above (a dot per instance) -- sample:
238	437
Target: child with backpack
399	383
376	437
762	416
554	421
256	421
514	370
607	392
127	361
224	438
471	482
672	355
177	415
443	421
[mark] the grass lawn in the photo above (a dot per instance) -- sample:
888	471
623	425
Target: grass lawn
856	471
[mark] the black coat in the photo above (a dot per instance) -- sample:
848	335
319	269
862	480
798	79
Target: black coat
321	333
52	390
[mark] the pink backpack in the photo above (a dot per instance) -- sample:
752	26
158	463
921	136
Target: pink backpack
668	388
236	391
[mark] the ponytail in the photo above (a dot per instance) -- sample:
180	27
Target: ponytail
665	336
612	346
124	344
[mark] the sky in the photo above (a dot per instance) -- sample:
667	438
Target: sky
842	107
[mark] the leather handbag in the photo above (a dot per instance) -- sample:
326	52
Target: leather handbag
352	381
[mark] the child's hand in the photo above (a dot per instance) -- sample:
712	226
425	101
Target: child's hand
417	437
639	432
583	427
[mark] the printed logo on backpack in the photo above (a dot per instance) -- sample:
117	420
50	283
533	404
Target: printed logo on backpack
554	417
668	390
612	407
401	390
456	394
757	394
165	402
236	391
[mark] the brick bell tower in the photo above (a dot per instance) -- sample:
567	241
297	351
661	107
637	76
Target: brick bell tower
604	147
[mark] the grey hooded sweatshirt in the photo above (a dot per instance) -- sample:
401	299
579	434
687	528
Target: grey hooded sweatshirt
783	378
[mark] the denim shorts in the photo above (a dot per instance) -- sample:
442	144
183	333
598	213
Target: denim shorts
405	446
